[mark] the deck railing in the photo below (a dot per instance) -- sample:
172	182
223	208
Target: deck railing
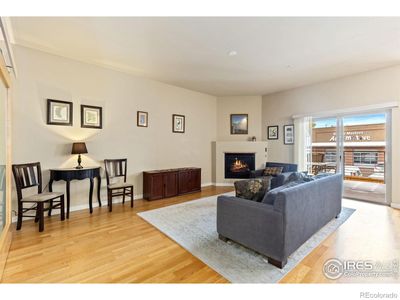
359	165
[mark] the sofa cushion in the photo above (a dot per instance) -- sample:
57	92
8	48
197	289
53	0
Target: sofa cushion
295	176
286	166
272	171
322	175
253	189
269	198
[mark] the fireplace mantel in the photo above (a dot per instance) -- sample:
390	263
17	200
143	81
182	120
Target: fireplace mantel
222	147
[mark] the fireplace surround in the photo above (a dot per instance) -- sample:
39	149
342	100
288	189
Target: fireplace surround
239	165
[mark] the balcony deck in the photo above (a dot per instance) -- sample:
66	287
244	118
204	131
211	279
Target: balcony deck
365	190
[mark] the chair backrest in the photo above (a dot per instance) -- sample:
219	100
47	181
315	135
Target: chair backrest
115	168
26	176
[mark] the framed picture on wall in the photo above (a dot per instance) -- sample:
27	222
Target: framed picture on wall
273	132
178	123
142	119
59	112
91	116
288	131
239	123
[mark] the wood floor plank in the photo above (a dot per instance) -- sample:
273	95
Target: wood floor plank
121	247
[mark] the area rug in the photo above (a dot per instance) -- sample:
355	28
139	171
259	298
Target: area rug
193	226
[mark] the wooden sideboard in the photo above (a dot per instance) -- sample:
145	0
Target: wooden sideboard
158	184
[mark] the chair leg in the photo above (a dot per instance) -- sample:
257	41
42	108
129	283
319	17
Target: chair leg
19	222
132	197
37	215
62	208
123	196
50	207
41	216
108	197
110	202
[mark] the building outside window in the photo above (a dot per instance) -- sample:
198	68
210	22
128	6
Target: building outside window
365	157
330	156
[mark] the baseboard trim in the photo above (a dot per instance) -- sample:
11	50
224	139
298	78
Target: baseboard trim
395	205
224	184
86	206
207	184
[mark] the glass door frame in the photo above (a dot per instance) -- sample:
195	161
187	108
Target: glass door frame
340	130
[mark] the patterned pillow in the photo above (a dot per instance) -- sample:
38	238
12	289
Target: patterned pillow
272	171
253	189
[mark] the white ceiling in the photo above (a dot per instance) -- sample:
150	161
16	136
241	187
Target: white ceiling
274	53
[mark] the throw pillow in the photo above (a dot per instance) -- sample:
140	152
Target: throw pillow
252	189
272	171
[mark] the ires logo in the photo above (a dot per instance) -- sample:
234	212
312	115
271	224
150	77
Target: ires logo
334	268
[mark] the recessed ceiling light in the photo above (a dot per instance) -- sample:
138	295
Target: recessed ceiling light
232	53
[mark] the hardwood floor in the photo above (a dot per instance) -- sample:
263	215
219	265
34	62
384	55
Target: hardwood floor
371	233
122	247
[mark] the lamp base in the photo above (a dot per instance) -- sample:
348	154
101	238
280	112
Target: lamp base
79	163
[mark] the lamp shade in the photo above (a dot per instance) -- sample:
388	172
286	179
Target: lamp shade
79	148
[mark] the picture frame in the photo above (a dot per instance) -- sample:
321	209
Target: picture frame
239	123
142	118
59	112
288	134
178	123
273	132
91	116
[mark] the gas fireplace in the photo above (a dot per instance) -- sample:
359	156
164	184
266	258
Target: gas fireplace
239	165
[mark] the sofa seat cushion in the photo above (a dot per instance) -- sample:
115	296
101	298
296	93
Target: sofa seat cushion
269	198
253	189
272	171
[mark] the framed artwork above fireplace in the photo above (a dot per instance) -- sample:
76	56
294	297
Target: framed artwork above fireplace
239	124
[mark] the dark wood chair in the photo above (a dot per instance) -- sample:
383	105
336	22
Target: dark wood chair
28	176
117	168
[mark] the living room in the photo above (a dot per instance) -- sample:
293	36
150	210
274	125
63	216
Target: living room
184	150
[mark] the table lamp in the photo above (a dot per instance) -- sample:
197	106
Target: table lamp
79	148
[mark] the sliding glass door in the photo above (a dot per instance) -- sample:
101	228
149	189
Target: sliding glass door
354	145
326	145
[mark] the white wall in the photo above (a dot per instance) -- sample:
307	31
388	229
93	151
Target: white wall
43	76
226	106
380	86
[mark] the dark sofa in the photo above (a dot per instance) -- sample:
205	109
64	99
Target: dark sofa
279	179
276	230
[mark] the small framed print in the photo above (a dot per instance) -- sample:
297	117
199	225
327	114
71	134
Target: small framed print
273	132
178	123
91	116
142	119
288	134
59	112
239	123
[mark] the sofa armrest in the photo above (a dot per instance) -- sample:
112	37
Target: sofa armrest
256	173
253	224
307	208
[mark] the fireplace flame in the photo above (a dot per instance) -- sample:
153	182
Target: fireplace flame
239	166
